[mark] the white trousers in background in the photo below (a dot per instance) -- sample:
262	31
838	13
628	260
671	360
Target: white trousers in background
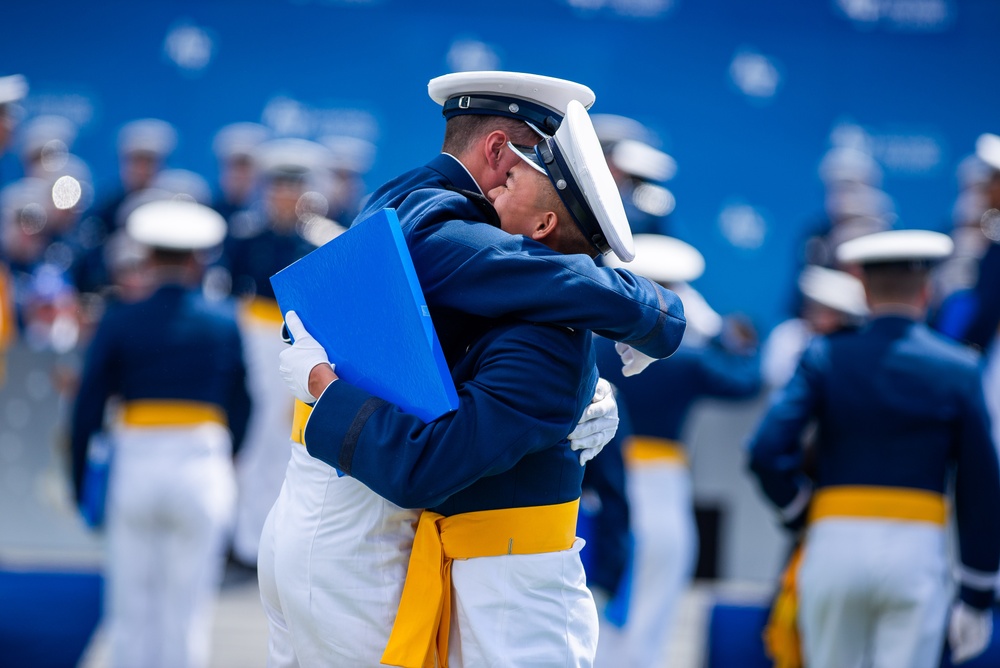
261	461
170	509
873	593
666	546
333	559
530	610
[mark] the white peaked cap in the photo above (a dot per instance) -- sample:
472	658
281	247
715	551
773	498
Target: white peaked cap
176	225
238	139
291	156
536	99
834	289
612	128
849	164
988	149
575	164
643	161
41	130
147	135
663	259
896	246
352	154
13	88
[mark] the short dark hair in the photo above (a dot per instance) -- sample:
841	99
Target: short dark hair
895	281
572	239
461	132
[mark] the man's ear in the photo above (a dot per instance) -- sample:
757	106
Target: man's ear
494	146
545	226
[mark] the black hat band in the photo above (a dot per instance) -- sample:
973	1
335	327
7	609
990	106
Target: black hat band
498	105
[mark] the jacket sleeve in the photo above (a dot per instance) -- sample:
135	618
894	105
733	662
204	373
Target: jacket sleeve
98	382
478	269
523	398
775	450
977	487
983	327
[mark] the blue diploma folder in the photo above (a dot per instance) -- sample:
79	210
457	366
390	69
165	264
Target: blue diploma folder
359	296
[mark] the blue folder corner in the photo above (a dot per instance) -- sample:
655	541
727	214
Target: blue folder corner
359	296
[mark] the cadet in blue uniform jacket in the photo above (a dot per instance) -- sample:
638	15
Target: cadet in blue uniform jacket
498	476
175	361
659	402
899	410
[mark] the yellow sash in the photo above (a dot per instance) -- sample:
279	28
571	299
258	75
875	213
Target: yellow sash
891	503
170	413
424	616
262	310
648	449
781	635
299	419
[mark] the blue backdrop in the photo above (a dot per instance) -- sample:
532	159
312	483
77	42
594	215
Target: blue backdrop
745	95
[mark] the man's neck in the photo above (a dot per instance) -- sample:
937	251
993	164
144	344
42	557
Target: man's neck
468	171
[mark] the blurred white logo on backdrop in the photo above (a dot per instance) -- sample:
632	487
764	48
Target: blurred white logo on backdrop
915	15
289	117
630	8
754	74
742	225
470	55
189	47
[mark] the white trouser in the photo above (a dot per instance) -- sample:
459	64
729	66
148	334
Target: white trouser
873	593
332	563
666	545
261	461
170	508
522	610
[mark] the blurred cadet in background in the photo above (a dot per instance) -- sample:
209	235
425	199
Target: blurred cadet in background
978	321
640	169
831	300
182	184
262	240
854	203
953	299
351	159
13	88
45	141
980	328
143	147
234	147
606	526
898	410
45	301
657	476
172	367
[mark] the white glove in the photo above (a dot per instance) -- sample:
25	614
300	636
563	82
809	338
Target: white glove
598	424
969	631
633	361
296	361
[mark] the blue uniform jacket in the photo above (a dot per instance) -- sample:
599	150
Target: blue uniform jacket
896	405
252	260
521	390
660	398
609	547
986	300
174	345
468	267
